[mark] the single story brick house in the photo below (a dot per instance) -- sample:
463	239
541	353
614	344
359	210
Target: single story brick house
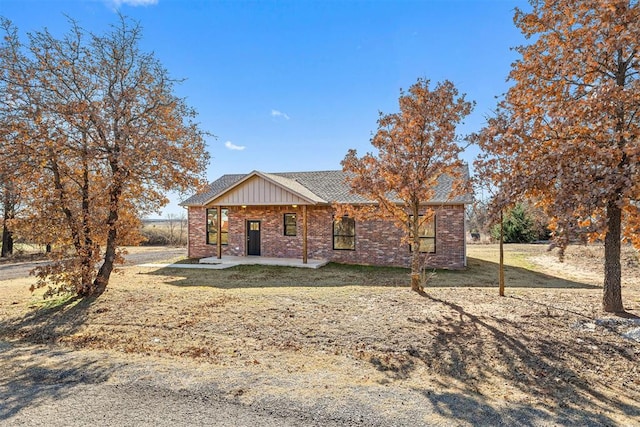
291	215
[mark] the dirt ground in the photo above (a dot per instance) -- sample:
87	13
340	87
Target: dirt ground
341	338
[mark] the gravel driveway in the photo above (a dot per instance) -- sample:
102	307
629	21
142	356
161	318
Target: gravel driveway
18	270
45	386
144	255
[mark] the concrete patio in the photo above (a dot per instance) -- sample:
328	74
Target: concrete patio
232	261
214	263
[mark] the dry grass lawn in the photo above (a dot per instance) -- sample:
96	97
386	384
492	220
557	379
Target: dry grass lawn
345	335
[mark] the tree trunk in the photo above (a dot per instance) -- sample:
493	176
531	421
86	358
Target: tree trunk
88	249
415	270
612	296
86	274
415	283
7	241
415	253
7	236
104	273
501	268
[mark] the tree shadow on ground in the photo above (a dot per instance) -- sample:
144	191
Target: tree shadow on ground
46	325
40	376
482	273
473	410
467	351
479	273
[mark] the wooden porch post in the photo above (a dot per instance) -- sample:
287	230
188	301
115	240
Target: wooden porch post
304	234
219	231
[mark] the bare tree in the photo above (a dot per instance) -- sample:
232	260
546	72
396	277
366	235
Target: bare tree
182	228
171	224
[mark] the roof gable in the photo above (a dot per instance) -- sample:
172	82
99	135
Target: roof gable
257	188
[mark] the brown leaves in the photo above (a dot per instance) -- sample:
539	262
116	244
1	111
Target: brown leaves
102	137
416	149
567	132
416	146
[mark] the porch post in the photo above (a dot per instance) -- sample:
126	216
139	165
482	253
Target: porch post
304	234
219	225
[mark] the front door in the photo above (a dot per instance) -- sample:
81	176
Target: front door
253	237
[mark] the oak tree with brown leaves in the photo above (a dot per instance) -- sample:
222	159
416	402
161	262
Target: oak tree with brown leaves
567	131
415	149
101	137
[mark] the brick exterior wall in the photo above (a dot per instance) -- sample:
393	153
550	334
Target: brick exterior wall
197	234
377	242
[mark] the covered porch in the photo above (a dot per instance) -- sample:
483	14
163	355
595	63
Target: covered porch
250	214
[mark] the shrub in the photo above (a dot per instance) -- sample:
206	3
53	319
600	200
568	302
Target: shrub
161	233
155	236
519	227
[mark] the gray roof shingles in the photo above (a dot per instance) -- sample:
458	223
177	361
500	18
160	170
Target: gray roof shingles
330	186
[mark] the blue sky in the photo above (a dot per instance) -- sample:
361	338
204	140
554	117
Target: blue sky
292	85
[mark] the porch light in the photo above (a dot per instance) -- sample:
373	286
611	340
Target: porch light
244	206
294	206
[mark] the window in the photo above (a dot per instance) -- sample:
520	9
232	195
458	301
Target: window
344	234
427	233
290	228
212	226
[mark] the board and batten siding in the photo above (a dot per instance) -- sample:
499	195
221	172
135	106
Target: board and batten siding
258	192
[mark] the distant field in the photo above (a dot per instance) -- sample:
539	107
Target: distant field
158	232
161	232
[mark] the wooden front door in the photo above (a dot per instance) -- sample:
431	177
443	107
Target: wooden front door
253	237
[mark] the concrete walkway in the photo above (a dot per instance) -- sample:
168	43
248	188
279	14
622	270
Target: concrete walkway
214	263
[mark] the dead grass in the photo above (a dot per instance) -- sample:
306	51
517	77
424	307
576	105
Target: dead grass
544	351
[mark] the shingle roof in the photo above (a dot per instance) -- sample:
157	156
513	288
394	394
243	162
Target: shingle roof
216	187
328	185
295	186
321	186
